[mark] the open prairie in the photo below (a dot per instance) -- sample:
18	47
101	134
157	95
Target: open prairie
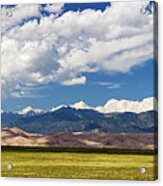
78	163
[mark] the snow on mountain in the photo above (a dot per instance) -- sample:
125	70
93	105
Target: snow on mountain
111	106
78	105
81	105
58	107
29	109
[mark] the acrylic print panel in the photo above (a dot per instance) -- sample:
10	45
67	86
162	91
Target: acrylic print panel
79	90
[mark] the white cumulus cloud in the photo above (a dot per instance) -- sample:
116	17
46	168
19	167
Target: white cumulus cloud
54	8
114	105
19	13
62	48
75	81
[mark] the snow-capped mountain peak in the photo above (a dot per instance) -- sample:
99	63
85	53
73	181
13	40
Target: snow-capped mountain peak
80	105
58	107
29	109
111	106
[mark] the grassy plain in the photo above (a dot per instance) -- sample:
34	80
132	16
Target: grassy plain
78	163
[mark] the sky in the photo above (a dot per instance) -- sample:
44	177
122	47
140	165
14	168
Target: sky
65	53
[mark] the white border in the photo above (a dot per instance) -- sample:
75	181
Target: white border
62	182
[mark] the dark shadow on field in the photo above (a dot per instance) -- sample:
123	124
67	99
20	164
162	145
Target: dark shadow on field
80	150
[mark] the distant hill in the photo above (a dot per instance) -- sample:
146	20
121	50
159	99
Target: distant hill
67	119
17	137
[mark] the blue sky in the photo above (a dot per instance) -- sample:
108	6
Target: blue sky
93	82
133	86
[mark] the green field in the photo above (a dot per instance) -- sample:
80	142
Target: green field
78	163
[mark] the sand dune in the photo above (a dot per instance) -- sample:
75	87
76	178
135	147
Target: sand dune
17	137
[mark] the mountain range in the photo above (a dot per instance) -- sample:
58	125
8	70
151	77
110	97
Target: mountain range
68	119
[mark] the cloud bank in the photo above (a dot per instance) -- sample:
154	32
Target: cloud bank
38	49
114	105
111	106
